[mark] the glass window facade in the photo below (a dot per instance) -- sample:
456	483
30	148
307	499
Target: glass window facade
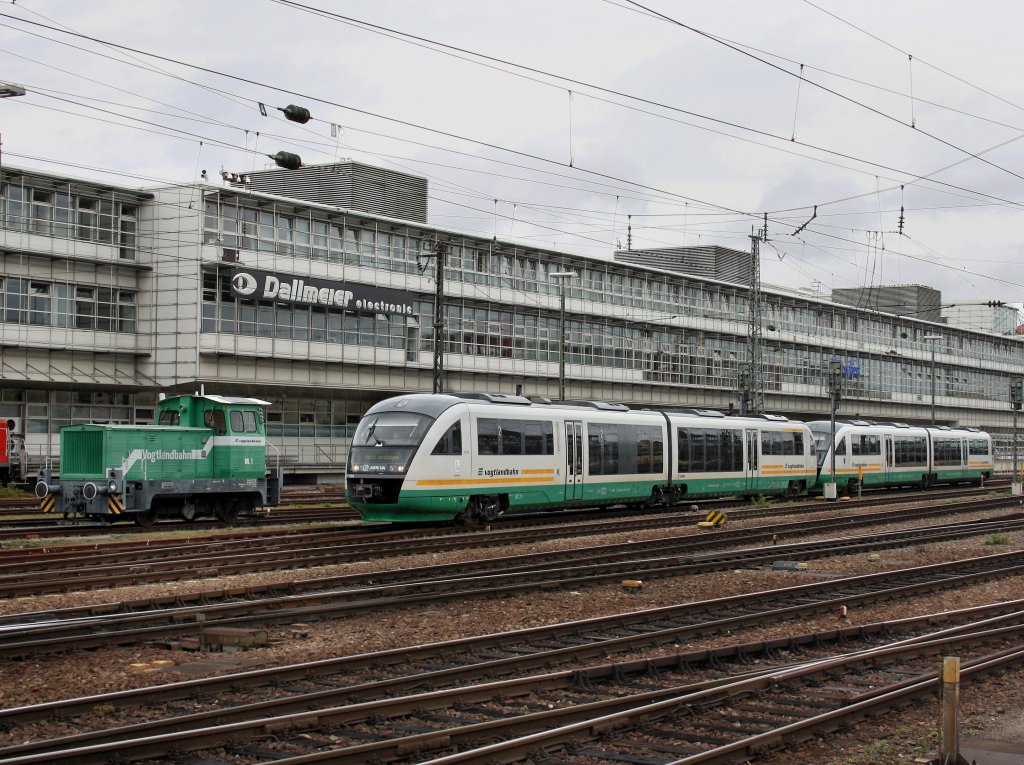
60	212
60	304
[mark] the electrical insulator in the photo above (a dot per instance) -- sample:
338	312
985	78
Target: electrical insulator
287	160
298	114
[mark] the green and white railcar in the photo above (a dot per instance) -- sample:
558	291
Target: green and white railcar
205	456
425	457
871	454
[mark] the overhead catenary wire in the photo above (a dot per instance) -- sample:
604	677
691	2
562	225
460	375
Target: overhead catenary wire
684	203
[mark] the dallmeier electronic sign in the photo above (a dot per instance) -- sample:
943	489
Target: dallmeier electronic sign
307	290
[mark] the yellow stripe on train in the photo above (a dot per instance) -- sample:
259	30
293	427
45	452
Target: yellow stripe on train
48	503
114	505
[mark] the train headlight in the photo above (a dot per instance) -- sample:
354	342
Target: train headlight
112	486
89	491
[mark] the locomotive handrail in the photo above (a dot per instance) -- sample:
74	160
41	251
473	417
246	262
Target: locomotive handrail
277	454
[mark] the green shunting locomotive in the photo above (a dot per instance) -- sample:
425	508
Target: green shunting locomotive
206	456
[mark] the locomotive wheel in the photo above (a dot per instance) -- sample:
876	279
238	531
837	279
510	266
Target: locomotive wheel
851	486
188	512
146	518
227	511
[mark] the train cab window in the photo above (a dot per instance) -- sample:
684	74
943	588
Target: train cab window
170	417
841	447
451	441
243	422
214	418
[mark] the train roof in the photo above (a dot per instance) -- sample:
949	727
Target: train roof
433	404
233	400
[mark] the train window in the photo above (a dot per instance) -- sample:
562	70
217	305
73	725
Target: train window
947	452
511	432
683	450
214	418
910	451
539	437
488	440
772	442
978	447
237	426
603	441
451	441
649	451
798	443
250	422
170	417
712	452
696	450
841	447
595	439
737	451
507	436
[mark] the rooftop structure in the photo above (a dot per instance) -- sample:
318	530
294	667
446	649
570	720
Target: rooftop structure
710	261
348	185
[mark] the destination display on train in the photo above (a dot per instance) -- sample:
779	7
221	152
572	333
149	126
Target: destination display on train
311	291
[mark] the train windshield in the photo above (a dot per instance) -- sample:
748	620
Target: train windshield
386	442
391	429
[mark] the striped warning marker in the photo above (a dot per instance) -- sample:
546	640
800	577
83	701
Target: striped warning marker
114	505
48	503
715	518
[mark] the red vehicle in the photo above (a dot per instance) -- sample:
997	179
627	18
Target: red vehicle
10	451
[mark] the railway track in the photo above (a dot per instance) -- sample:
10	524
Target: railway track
33	525
178	616
34	571
537	692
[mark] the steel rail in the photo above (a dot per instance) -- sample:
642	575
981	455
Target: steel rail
23	635
221	558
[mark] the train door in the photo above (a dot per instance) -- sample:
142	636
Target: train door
888	460
573	459
750	468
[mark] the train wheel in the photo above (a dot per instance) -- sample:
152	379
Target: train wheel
227	511
851	486
482	509
188	512
146	518
793	490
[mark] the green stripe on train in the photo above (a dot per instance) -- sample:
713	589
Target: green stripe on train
445	504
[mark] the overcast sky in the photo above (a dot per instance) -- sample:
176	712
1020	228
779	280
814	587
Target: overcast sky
559	124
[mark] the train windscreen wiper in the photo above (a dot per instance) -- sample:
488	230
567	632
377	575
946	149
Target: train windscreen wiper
370	434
